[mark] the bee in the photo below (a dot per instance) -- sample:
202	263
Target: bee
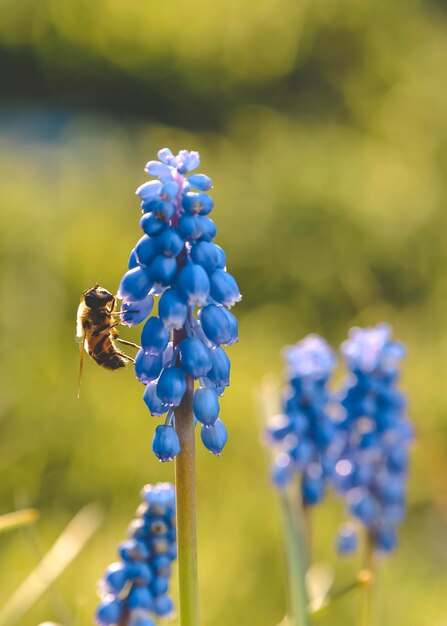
96	330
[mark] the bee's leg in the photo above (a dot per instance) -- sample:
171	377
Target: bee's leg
104	330
81	363
122	312
125	356
128	343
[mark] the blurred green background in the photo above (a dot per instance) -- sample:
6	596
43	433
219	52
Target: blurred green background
324	127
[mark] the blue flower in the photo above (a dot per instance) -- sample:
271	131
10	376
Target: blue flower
347	539
140	598
219	325
371	349
303	435
223	288
109	611
194	284
172	309
206	405
356	440
219	373
163	606
138	585
154	337
147	366
134	313
171	386
146	249
135	285
153	402
177	260
197	203
372	469
163	270
209	255
313	484
214	437
195	357
116	577
310	358
165	444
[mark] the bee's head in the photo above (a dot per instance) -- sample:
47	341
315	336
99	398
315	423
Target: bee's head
96	297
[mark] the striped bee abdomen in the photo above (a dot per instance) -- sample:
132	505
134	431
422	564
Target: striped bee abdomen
106	354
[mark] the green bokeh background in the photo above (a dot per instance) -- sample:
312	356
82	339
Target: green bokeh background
324	127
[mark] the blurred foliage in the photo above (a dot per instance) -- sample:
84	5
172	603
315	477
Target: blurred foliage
324	127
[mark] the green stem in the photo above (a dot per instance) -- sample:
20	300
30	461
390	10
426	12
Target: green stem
306	514
297	559
185	489
367	596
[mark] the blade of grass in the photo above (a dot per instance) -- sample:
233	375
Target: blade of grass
284	622
363	579
56	560
319	581
59	607
17	519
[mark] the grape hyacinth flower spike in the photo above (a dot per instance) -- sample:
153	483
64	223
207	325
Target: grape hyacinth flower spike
303	435
177	260
181	361
135	589
372	470
302	438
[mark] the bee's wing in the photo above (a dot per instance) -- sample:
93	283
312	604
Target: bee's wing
79	315
81	362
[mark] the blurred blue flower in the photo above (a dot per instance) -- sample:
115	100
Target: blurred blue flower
303	435
137	586
347	539
371	472
177	260
356	440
